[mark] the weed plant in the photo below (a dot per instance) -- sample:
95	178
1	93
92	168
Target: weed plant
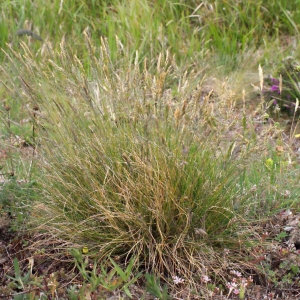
284	87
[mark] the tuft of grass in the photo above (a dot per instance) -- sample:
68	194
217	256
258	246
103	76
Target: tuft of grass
138	157
139	163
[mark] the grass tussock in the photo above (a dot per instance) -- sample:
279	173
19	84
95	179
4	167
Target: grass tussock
122	145
137	160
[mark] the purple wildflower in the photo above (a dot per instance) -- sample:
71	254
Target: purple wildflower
275	88
275	81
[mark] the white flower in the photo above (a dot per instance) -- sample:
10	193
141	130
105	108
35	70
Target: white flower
205	278
177	280
232	285
236	273
226	251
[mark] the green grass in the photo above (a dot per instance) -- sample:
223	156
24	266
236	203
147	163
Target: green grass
133	156
16	198
221	29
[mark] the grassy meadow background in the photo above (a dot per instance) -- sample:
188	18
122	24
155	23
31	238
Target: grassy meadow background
141	145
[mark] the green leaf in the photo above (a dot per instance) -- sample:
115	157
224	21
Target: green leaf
294	269
17	269
26	278
129	267
127	292
135	278
76	254
120	272
153	285
280	236
111	274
